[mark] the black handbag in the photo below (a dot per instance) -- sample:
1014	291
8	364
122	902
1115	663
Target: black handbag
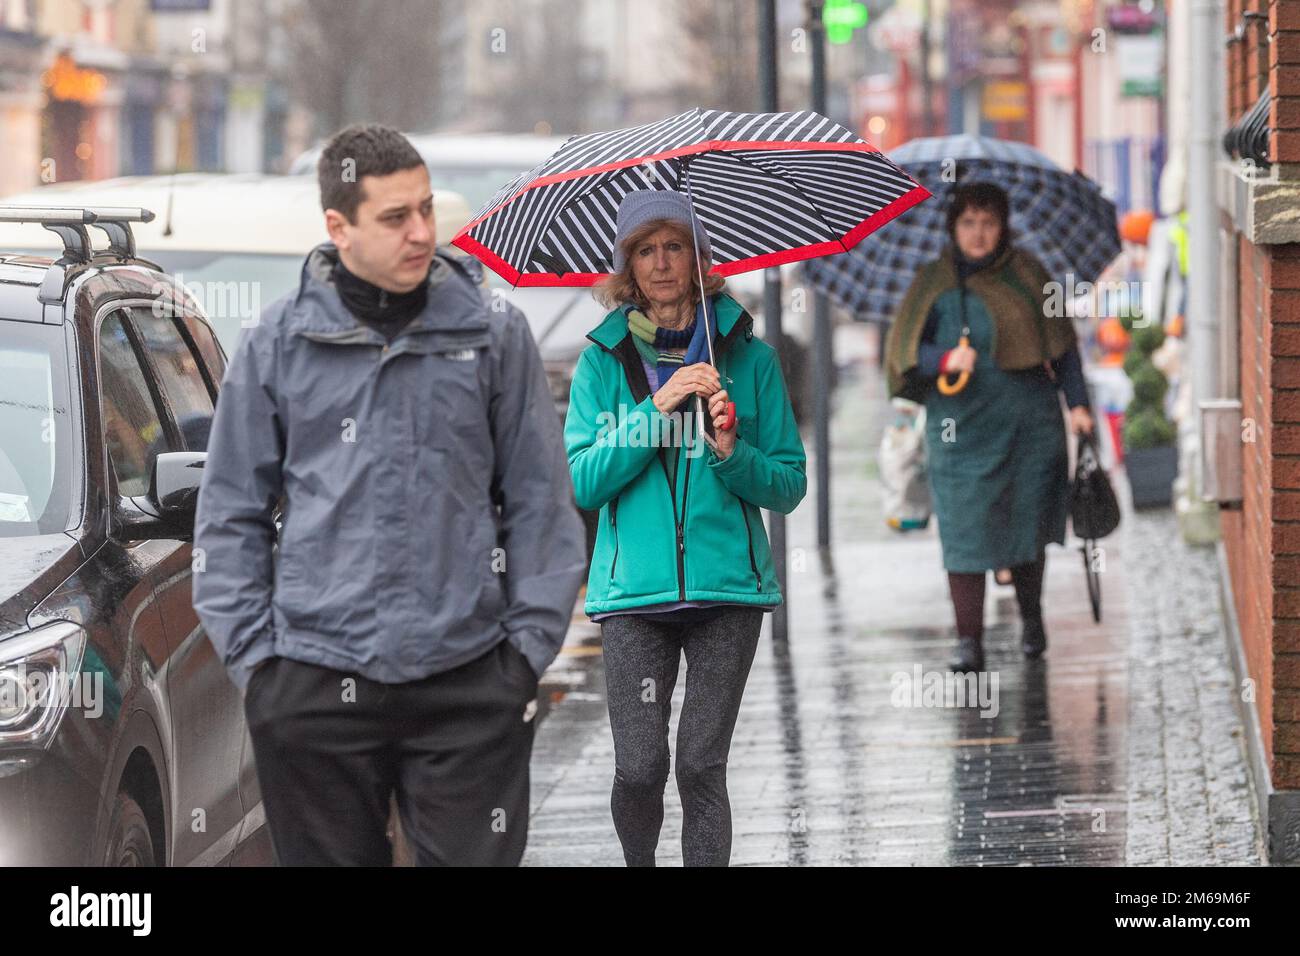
1094	513
1094	509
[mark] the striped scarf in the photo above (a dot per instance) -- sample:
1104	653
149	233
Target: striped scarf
660	340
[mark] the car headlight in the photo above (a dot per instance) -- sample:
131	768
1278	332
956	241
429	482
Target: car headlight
38	683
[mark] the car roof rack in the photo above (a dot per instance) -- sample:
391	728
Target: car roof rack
69	224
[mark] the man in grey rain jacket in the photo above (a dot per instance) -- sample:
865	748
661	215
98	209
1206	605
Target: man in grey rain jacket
429	551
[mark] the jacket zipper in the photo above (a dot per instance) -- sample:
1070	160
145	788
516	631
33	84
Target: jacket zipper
672	496
682	459
749	533
613	521
741	325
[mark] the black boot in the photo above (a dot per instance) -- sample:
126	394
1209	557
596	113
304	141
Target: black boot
970	655
1033	639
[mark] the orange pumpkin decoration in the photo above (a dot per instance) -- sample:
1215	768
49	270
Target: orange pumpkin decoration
1136	225
1112	336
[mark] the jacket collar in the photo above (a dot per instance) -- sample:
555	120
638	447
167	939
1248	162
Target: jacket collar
319	312
1000	257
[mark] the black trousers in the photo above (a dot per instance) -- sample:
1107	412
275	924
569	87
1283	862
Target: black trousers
332	748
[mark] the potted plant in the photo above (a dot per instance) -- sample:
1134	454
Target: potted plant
1150	438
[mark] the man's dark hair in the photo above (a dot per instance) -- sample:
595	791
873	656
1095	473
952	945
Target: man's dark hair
355	152
987	196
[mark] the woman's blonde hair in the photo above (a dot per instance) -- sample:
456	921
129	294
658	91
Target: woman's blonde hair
620	287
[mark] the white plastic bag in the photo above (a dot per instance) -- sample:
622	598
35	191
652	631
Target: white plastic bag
903	468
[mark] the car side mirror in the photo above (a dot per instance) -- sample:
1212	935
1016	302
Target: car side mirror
175	490
167	511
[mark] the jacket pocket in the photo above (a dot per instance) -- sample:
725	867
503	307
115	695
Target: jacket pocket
517	669
258	672
747	428
749	539
451	546
450	377
613	524
289	587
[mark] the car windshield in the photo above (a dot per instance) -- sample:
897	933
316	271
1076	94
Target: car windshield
36	447
232	287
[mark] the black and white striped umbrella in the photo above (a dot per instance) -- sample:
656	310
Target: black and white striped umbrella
1062	218
768	188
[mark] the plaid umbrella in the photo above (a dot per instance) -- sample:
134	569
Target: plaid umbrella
1061	218
768	188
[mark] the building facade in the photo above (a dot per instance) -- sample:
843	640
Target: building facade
91	89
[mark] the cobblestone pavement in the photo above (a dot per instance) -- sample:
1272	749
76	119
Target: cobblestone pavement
1190	801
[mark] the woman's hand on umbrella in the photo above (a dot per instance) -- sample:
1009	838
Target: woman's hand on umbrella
1080	421
698	379
959	359
724	438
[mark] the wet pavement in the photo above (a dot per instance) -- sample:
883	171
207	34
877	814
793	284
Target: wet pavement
847	752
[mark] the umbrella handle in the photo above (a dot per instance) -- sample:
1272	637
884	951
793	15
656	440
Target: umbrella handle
947	387
730	423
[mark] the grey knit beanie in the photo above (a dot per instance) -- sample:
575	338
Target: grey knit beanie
646	205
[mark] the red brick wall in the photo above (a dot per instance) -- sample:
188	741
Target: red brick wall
1284	80
1281	267
1248	533
1262	540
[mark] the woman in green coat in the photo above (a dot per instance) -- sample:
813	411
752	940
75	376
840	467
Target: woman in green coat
998	459
681	564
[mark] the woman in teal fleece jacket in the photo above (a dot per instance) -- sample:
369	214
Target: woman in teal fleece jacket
682	563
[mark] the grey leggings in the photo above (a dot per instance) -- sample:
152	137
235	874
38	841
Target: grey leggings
641	662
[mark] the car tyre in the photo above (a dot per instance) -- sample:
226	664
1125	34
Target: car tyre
129	843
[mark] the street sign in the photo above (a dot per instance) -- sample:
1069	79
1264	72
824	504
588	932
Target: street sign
1140	59
1005	100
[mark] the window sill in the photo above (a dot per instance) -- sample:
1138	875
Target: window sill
1265	208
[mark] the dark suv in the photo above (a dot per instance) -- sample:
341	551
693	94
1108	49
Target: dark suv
122	739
